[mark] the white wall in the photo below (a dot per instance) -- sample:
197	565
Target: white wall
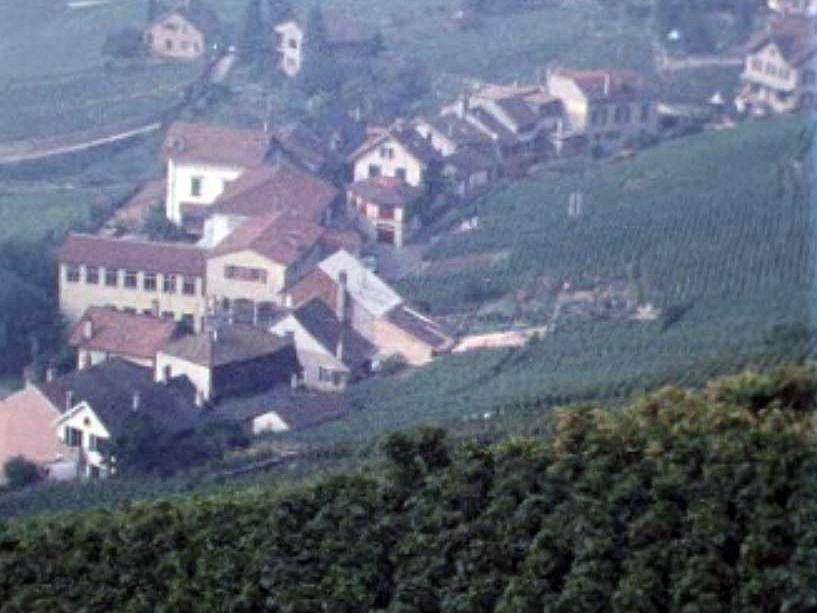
180	180
200	376
83	418
388	166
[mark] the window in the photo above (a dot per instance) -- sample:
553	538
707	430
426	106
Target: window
93	443
645	112
92	275
195	186
400	173
240	273
189	286
622	114
94	472
168	315
129	310
73	437
374	170
292	43
72	273
187	322
326	375
149	282
111	277
169	45
169	284
130	279
387	153
148	312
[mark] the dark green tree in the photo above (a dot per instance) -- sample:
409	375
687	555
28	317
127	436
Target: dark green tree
20	472
320	72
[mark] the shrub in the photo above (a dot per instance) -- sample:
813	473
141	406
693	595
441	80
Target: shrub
21	473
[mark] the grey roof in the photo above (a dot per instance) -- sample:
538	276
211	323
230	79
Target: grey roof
109	389
304	146
420	327
470	160
458	130
234	343
322	323
502	133
298	409
519	111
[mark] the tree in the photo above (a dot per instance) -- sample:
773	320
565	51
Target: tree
253	41
320	72
279	11
158	227
20	472
153	10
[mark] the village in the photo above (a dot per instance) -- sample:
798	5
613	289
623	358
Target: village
254	284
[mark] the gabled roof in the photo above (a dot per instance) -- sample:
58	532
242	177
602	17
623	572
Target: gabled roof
280	238
607	85
27	427
364	287
231	344
387	191
316	284
210	144
417	146
298	409
497	129
195	12
304	146
281	188
109	389
420	327
124	334
457	130
322	324
169	258
795	37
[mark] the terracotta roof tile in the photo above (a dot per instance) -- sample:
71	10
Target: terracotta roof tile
388	191
123	334
198	142
281	238
609	85
281	188
170	258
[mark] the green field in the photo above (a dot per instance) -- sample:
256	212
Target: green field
716	229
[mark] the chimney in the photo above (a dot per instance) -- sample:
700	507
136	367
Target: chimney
136	401
342	306
87	329
69	400
50	374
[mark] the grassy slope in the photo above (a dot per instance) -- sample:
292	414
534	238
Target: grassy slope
721	238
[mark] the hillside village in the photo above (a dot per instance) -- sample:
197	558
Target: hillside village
265	286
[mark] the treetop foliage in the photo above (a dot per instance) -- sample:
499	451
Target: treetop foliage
681	501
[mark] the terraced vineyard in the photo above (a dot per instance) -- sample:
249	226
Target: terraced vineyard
725	248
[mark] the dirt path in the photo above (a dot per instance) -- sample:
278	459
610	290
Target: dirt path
499	340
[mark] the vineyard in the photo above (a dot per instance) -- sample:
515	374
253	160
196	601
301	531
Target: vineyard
726	250
679	501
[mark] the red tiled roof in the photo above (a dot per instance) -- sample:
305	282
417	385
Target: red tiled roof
136	336
389	191
280	238
317	284
612	85
347	240
170	258
794	36
198	142
27	428
269	189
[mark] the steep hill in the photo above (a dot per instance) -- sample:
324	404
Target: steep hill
680	502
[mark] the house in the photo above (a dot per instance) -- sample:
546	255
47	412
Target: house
164	280
331	352
397	152
283	409
385	209
268	190
780	70
794	7
608	108
248	270
374	309
27	430
450	133
202	160
519	120
344	38
183	33
470	171
103	333
100	404
229	361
